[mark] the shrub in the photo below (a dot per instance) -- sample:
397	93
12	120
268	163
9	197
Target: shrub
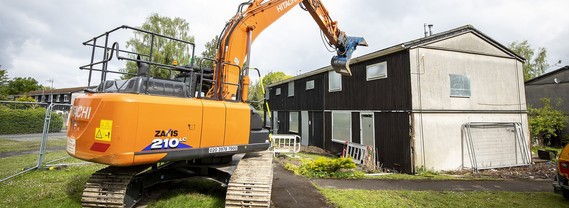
19	121
326	168
545	122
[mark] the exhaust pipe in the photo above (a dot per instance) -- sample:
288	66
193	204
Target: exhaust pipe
341	62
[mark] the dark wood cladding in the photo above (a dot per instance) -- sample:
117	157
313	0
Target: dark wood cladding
356	130
303	99
392	141
391	93
316	131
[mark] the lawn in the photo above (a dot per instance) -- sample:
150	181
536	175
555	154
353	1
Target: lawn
372	198
63	187
8	145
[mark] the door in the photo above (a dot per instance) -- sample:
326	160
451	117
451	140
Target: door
367	127
305	128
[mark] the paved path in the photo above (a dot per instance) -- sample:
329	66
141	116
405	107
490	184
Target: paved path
290	190
439	185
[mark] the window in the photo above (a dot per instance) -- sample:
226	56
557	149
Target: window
459	85
291	89
310	85
65	98
341	127
376	71
334	81
278	91
293	122
57	98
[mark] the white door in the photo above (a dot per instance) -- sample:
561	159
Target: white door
275	122
367	133
305	128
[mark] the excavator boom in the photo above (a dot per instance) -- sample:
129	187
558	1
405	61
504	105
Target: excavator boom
232	59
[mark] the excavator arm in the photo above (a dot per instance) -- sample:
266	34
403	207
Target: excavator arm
231	79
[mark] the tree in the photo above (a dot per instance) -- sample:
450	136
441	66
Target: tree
3	84
209	52
164	51
535	64
255	89
545	122
20	85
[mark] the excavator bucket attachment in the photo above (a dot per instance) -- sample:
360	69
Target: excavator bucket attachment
341	62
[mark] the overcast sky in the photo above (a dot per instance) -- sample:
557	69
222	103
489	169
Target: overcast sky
42	39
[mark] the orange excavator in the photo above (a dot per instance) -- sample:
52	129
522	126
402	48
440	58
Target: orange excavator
193	122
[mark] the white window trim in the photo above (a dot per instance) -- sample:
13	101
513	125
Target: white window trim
311	81
332	126
329	81
382	76
297	122
289	89
66	98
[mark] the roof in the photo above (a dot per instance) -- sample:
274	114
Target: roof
546	75
57	91
410	45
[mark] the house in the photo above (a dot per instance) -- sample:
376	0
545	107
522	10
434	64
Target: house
444	102
63	96
553	85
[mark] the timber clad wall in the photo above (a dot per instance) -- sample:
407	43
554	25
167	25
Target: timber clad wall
392	141
391	93
302	99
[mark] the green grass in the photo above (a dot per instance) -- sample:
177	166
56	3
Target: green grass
63	187
8	145
535	148
372	198
193	193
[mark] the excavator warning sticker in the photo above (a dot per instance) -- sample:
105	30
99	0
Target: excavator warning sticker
103	133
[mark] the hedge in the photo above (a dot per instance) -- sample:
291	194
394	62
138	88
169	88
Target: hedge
18	121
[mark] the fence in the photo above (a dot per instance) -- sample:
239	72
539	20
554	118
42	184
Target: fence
31	134
285	143
494	145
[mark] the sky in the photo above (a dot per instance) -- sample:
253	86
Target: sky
43	39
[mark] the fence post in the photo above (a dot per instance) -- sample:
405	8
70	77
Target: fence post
43	145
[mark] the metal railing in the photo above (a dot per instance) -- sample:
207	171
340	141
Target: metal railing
518	155
23	133
285	143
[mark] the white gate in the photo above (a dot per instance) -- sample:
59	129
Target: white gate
285	143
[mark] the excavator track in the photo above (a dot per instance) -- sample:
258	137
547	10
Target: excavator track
112	187
251	182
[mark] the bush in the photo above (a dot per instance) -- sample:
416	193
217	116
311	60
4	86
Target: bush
326	168
18	121
545	122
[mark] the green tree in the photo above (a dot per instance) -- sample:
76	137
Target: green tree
536	63
3	84
545	122
164	51
20	85
209	52
256	91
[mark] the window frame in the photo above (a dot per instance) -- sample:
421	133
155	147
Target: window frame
339	89
311	85
380	75
278	91
348	114
463	77
290	119
291	89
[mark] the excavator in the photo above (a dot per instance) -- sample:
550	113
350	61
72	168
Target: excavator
194	122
